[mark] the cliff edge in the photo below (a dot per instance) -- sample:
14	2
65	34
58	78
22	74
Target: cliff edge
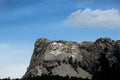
71	58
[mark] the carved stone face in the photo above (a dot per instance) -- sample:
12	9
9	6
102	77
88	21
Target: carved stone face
57	46
54	46
61	46
59	49
73	49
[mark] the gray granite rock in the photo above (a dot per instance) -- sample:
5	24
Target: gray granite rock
71	58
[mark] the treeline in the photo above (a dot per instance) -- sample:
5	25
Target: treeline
10	79
56	77
48	77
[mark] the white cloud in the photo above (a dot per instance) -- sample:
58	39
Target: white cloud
95	18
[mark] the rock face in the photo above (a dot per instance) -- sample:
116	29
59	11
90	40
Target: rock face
71	58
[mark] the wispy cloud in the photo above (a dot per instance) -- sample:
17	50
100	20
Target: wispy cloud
109	18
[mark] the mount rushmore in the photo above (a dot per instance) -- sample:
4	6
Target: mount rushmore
73	59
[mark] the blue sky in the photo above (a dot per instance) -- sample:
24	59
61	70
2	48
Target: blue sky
24	21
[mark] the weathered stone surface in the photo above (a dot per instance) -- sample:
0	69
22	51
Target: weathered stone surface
71	58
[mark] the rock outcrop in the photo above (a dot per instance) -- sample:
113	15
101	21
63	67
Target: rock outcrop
71	58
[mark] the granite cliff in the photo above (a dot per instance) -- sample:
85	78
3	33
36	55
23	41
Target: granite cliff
71	58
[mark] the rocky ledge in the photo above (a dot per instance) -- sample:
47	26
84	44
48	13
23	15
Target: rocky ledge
67	58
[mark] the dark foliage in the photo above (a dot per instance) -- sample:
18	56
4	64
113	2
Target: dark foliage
107	72
47	77
51	77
